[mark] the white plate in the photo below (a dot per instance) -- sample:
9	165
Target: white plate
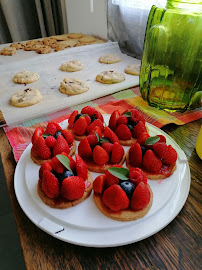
84	224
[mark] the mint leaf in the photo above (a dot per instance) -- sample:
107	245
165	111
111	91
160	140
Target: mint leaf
102	140
152	140
46	135
64	160
98	138
121	173
128	114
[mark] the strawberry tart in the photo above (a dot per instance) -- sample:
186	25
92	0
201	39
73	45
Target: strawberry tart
129	126
154	157
101	150
81	124
63	182
50	142
123	194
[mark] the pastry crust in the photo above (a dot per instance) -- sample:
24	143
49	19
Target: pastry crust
123	215
153	176
76	137
93	167
61	203
41	161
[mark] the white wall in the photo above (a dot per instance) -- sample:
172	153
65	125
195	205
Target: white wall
87	16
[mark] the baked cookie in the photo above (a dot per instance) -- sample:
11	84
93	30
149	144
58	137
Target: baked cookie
9	51
43	49
72	66
17	45
68	42
123	199
73	86
60	37
26	97
25	77
34	42
87	39
50	142
61	47
51	42
133	69
109	59
32	47
63	187
75	35
98	41
109	77
79	44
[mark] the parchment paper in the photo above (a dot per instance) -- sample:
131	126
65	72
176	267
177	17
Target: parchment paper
48	67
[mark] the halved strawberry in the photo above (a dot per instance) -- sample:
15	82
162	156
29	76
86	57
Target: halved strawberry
136	175
100	155
37	133
98	184
80	126
98	115
45	166
111	179
171	157
108	133
81	168
51	129
50	185
92	139
72	118
141	197
68	136
160	149
122	120
113	120
115	198
123	132
89	110
142	138
139	129
117	153
95	123
50	141
135	155
60	146
84	149
40	149
88	119
151	162
56	165
97	130
72	188
107	146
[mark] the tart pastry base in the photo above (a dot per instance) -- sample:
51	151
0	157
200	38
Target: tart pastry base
61	203
123	215
42	161
153	176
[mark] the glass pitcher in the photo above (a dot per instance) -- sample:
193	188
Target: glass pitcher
171	68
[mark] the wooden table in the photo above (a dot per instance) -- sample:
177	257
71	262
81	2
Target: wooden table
177	246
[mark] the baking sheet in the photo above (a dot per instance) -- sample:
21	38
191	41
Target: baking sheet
48	67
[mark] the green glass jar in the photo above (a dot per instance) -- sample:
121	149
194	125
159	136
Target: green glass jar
171	68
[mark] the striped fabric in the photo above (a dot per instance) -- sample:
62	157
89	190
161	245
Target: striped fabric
20	136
